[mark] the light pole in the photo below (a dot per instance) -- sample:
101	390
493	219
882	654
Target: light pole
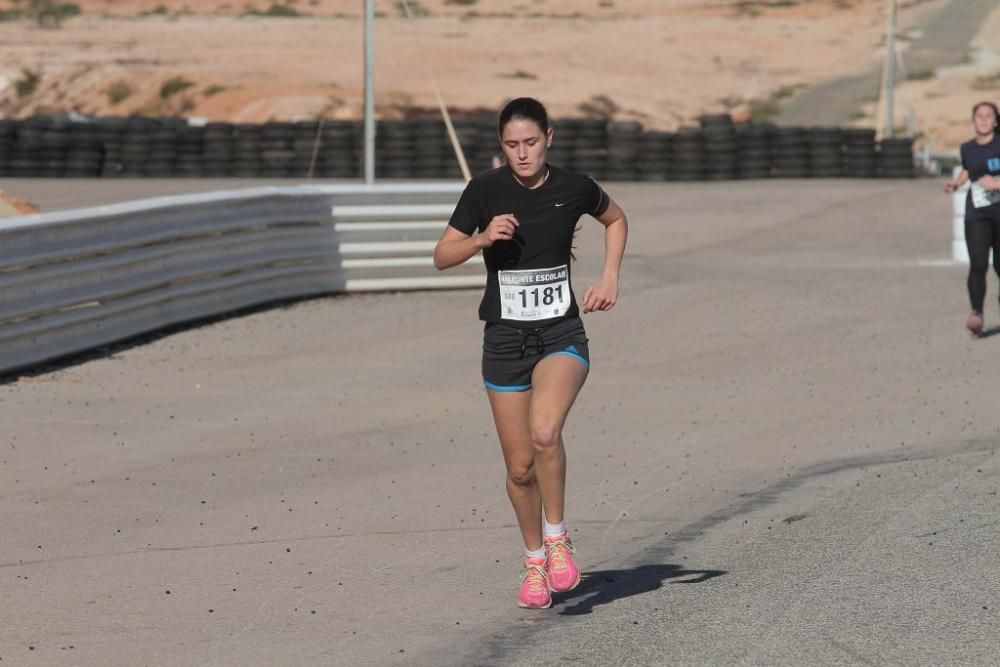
369	141
890	73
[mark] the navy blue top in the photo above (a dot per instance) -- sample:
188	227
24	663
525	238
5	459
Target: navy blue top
980	160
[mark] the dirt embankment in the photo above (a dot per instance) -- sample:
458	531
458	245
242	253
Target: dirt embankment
260	61
937	103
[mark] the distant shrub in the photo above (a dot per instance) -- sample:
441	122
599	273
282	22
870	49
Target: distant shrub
118	91
51	14
45	12
786	91
986	82
28	83
766	110
416	9
159	10
763	111
520	74
213	90
921	75
174	85
280	11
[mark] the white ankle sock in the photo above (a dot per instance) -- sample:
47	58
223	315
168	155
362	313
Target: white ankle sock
537	553
553	529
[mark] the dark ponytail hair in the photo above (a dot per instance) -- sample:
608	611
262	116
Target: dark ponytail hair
527	108
996	112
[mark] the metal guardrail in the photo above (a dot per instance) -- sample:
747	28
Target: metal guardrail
75	280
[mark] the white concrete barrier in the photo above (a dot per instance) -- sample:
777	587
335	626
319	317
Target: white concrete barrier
74	280
959	251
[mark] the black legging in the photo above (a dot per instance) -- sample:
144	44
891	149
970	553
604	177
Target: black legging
982	232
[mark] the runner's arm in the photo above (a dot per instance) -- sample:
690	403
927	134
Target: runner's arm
603	295
455	246
957	182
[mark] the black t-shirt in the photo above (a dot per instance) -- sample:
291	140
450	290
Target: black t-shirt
979	160
530	274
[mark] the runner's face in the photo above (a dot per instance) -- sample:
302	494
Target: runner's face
984	120
525	146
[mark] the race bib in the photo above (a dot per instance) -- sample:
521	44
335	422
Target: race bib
534	294
981	197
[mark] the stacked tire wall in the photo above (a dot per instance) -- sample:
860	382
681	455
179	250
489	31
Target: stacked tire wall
714	150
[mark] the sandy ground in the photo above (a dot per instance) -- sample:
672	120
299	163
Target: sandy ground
312	485
663	65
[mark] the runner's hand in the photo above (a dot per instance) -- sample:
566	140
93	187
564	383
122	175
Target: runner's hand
602	295
990	182
950	186
501	228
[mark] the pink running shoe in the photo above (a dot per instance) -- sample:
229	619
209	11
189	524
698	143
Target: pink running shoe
975	323
534	592
563	573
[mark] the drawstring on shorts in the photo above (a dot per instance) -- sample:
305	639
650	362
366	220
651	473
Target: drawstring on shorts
527	334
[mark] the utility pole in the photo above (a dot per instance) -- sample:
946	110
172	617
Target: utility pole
369	140
890	73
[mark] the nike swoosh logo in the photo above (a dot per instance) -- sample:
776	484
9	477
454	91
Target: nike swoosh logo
562	204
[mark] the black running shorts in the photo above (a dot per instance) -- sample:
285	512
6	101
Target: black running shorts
510	353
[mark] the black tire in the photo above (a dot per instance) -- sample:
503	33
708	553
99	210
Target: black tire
721	146
653	165
715	120
826	162
277	155
787	172
754	165
622	176
245	171
654	176
853	153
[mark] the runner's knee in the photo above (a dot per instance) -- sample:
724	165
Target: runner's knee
978	266
521	474
545	435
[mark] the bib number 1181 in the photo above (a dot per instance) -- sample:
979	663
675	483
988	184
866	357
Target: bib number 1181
544	297
534	294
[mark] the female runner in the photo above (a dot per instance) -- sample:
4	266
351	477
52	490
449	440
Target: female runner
981	165
522	216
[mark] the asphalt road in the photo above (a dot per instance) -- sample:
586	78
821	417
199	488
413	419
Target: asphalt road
785	454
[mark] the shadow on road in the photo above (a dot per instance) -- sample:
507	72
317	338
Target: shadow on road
606	586
992	331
